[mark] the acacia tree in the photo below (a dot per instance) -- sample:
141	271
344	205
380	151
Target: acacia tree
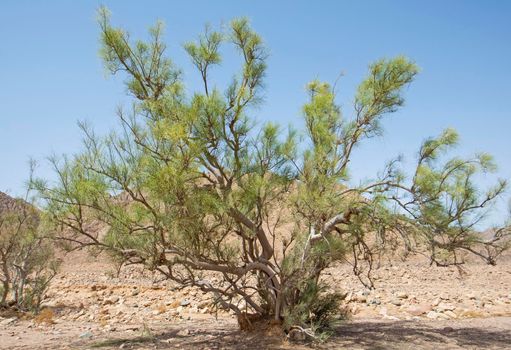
191	186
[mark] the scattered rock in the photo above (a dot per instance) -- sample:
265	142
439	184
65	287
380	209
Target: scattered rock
203	304
472	296
112	300
86	335
443	316
402	295
480	303
436	302
183	333
442	307
392	318
450	314
8	321
418	310
444	296
396	302
433	315
359	298
375	301
296	335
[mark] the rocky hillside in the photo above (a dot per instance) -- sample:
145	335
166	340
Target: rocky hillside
10	205
7	203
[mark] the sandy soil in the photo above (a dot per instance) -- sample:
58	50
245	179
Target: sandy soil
208	333
414	306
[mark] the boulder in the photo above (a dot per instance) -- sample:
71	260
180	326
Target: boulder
418	310
442	307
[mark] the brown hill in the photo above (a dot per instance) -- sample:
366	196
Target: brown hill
15	206
7	203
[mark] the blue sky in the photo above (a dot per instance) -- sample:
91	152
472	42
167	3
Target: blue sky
51	75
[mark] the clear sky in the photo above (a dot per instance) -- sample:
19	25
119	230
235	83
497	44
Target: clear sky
51	75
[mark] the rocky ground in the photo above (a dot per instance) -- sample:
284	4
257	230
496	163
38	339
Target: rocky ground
413	306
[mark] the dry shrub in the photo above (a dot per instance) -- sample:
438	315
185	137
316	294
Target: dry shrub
248	322
471	314
161	309
46	316
175	304
255	323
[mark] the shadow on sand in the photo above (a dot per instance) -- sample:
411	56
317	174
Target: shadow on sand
351	335
413	335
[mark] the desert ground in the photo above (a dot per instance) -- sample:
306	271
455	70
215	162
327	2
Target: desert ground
414	306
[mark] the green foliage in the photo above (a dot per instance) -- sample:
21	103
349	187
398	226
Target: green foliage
27	260
446	202
150	72
317	310
380	93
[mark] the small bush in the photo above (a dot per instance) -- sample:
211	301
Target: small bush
316	311
26	256
45	316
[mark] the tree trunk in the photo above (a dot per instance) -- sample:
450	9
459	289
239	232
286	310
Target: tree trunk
5	282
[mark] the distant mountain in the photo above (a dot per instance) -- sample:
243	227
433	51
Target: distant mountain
10	205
